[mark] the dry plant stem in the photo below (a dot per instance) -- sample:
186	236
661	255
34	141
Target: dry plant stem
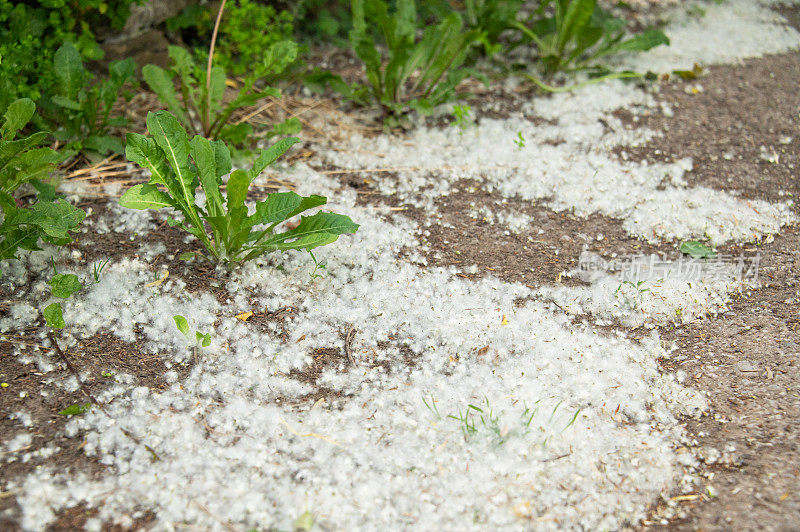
348	345
208	68
92	398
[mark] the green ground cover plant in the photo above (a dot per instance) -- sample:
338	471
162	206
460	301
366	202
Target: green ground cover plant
247	29
82	106
31	32
576	35
413	73
199	103
228	233
23	161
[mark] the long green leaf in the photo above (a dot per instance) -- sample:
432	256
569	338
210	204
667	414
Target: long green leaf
313	231
160	82
281	206
69	69
54	218
145	196
174	142
270	155
577	15
146	153
638	43
204	156
17	115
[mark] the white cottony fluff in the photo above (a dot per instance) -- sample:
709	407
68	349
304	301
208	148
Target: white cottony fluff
472	404
650	289
651	199
718	32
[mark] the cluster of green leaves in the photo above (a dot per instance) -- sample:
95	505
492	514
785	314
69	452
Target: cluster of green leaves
416	73
31	32
24	161
248	28
62	286
322	20
200	105
575	35
200	339
82	105
179	166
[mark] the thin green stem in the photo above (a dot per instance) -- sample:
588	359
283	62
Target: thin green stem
568	88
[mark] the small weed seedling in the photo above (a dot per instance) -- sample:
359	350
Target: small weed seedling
462	118
696	250
24	161
631	298
62	286
520	140
83	108
178	166
575	35
476	420
318	266
200	339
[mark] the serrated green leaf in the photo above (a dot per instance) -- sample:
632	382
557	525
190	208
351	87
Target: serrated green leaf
217	91
280	206
697	250
204	155
145	196
76	409
69	69
290	126
187	256
63	285
174	142
270	155
238	185
145	152
54	218
313	231
53	316
181	324
16	117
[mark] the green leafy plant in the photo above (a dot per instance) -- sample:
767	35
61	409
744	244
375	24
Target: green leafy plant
53	315
76	409
415	74
31	32
520	140
82	107
200	104
697	250
62	286
462	117
201	339
246	30
631	294
179	166
25	161
575	35
491	18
